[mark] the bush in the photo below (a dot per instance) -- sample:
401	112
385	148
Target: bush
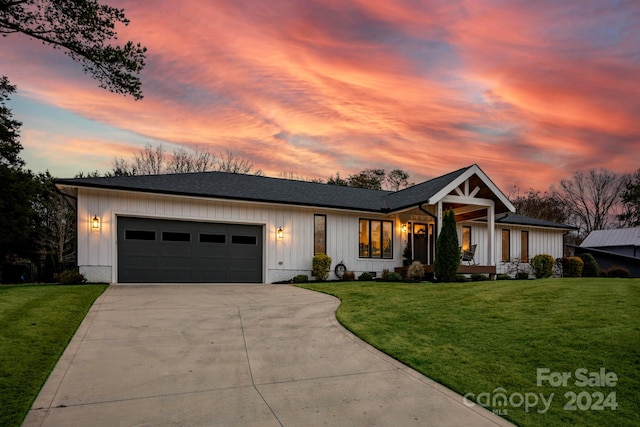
321	266
415	271
365	277
349	276
391	277
542	266
301	278
447	258
591	268
71	277
572	266
477	277
618	271
503	276
460	278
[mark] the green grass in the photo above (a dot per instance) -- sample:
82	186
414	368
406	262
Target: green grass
477	337
36	324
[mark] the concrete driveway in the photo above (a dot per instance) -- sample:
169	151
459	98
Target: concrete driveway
227	355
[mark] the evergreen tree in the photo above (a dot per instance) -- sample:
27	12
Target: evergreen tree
447	259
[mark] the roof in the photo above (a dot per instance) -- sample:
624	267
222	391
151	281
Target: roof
232	186
609	238
517	219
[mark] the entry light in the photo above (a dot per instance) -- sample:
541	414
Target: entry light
95	223
280	233
404	227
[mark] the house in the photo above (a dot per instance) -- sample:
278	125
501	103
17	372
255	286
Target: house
222	227
614	248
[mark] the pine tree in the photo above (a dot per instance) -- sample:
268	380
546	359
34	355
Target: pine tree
447	259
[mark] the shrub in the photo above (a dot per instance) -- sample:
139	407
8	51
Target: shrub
415	271
591	268
349	276
447	258
572	266
71	277
618	271
477	277
542	266
503	276
392	277
301	278
460	278
321	266
365	277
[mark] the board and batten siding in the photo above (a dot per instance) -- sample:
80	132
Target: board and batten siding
541	241
282	259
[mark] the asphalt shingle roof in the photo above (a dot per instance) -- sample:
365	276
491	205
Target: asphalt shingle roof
222	185
233	186
517	219
252	188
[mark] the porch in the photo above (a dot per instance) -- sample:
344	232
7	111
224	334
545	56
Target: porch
489	270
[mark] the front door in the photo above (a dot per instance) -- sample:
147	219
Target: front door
420	243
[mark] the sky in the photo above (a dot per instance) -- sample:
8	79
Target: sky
531	91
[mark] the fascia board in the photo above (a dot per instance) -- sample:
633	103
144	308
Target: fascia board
473	170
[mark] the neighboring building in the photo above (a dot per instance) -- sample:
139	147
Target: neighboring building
222	227
614	248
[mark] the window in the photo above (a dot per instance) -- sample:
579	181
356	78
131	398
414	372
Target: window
376	239
524	246
170	236
244	240
319	234
139	235
466	238
506	245
213	238
387	239
364	238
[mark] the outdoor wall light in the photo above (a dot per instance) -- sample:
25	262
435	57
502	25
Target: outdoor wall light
95	223
280	233
404	227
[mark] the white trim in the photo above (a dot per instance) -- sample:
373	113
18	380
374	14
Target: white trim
473	170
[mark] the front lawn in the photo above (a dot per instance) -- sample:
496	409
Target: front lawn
487	340
36	324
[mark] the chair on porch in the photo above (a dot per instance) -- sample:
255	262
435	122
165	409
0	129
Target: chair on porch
468	255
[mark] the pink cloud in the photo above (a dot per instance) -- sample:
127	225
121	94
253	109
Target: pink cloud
317	87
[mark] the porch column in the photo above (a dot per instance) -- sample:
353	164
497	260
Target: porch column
491	231
439	215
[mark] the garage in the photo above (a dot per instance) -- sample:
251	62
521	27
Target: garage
167	251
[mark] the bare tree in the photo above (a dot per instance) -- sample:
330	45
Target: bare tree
230	162
591	199
150	161
183	161
630	215
155	161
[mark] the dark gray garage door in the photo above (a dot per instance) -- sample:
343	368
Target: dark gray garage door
152	250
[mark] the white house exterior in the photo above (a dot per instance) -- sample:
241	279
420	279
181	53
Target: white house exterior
218	227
